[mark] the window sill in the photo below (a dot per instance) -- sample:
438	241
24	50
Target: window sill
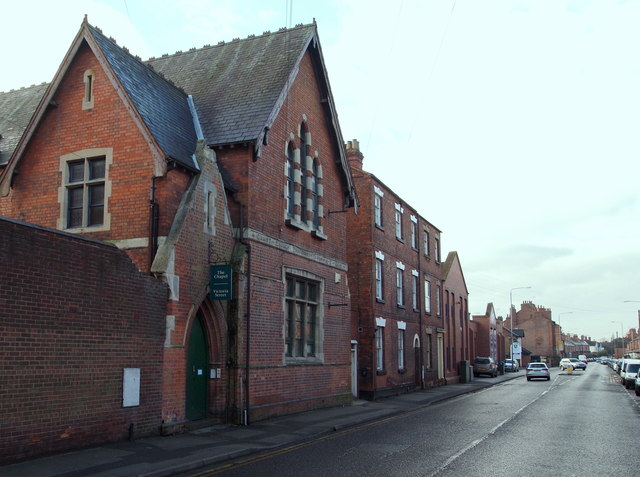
402	307
380	372
416	310
399	239
291	361
380	300
379	227
295	224
319	235
402	371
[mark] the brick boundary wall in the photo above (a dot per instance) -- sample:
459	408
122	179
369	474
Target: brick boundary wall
74	312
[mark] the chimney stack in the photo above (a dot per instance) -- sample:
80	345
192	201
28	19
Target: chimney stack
354	155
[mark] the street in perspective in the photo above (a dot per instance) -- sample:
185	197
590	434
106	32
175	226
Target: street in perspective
573	425
350	238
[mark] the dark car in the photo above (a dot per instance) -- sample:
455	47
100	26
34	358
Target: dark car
485	365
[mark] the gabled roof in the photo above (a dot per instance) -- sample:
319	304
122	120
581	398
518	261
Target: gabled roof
17	107
236	85
452	257
239	87
161	109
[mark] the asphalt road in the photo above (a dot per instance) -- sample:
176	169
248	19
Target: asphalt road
573	425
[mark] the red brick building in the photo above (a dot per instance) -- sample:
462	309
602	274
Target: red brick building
488	338
194	160
540	332
395	276
456	317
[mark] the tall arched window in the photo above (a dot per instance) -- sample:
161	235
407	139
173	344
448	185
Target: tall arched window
290	182
303	173
314	194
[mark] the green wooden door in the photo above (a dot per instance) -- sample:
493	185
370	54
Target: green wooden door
197	373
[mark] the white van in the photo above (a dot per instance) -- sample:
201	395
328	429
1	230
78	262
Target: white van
629	371
582	358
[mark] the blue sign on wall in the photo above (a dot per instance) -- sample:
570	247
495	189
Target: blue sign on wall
220	282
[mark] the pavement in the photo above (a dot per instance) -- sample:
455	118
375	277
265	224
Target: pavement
161	456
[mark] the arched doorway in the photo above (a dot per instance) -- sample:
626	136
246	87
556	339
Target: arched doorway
197	372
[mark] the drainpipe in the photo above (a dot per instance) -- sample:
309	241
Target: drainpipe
153	223
246	419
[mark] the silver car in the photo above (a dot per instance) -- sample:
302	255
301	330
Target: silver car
537	370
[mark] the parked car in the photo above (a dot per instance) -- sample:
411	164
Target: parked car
629	372
565	363
577	364
537	370
511	365
637	384
485	365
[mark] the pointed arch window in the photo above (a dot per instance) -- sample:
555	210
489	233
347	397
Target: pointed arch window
304	173
291	203
314	194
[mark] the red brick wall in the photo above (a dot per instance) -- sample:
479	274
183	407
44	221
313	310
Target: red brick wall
67	128
277	387
74	313
364	240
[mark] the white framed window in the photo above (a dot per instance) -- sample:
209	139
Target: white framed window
399	287
85	190
379	278
379	335
436	249
398	225
414	290
401	363
438	300
427	351
414	232
377	206
427	295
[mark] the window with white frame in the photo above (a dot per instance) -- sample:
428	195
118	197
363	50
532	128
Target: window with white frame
427	295
414	290
398	223
302	301
401	363
400	284
85	190
379	335
436	250
438	300
377	206
379	277
427	351
414	232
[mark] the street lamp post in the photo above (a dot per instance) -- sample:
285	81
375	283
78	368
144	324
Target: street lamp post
511	314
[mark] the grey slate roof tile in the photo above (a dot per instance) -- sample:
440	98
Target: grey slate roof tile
236	85
16	109
163	107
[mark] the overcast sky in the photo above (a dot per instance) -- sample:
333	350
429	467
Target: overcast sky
511	125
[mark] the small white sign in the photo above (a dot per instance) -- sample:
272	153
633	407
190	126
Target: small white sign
131	387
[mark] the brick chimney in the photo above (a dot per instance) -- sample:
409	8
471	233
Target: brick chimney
354	155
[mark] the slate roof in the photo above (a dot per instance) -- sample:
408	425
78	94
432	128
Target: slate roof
236	85
16	109
163	107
